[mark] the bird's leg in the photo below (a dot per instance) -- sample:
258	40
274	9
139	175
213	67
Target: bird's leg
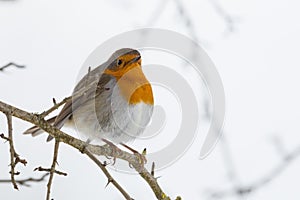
114	149
141	156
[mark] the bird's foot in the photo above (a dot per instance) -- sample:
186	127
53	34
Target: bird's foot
114	150
141	156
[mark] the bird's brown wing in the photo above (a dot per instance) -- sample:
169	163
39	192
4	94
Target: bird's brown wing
91	84
81	96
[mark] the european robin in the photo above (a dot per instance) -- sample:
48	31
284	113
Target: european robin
112	102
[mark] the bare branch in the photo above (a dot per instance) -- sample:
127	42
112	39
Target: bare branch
14	157
156	13
56	106
237	190
107	174
133	159
228	19
229	162
25	182
11	64
52	170
187	19
4	137
41	169
13	154
19	160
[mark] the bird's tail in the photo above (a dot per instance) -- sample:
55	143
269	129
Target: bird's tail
34	131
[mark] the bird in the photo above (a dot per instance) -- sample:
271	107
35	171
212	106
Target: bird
113	102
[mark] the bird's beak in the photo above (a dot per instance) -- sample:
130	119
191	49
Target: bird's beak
136	59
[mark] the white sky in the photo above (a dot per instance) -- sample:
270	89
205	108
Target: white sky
258	64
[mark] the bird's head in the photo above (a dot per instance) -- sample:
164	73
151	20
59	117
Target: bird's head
125	66
122	61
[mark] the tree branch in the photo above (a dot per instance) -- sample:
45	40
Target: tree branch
11	64
52	170
41	169
25	182
55	107
13	154
228	19
107	174
133	160
239	191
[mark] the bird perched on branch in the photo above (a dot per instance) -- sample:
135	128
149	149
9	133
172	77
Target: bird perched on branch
113	102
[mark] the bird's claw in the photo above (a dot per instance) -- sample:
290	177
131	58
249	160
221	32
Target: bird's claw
141	156
114	149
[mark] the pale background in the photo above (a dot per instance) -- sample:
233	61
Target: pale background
256	56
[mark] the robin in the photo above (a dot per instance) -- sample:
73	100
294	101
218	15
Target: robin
113	102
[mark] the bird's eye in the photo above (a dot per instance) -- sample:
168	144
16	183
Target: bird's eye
119	62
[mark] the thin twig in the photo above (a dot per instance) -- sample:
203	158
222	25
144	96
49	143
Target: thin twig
41	169
228	19
107	174
4	137
25	182
52	171
56	106
19	160
156	13
12	150
11	64
187	19
228	162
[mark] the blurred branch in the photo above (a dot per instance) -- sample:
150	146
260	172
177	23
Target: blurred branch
228	19
25	182
229	162
187	19
157	13
240	191
11	64
106	150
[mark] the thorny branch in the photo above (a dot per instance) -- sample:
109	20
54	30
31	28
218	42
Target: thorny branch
14	157
41	169
61	136
107	174
12	150
52	170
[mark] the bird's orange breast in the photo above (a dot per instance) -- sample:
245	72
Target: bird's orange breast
133	84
